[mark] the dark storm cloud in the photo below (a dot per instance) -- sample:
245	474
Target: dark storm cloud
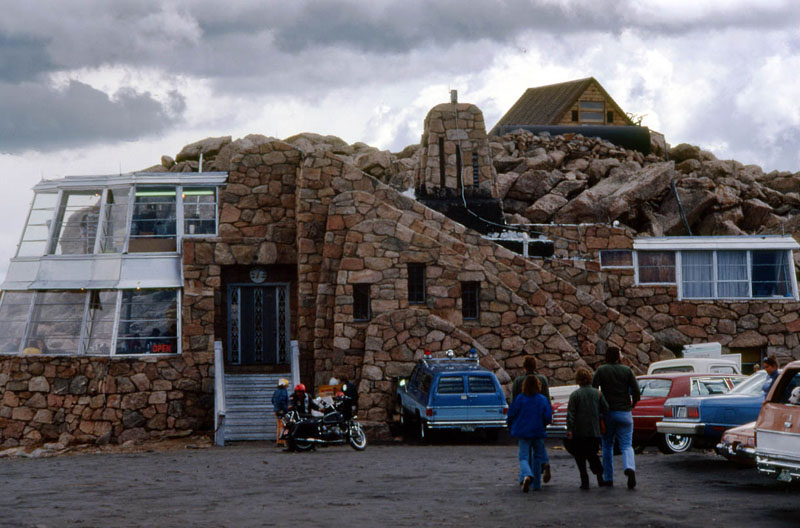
40	118
22	58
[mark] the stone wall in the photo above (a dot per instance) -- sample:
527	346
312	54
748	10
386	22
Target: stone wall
101	400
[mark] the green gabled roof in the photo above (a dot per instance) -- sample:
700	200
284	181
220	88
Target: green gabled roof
545	105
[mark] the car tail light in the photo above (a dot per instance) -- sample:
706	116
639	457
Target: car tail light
505	410
693	412
428	412
667	411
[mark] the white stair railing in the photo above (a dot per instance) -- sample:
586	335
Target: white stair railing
219	395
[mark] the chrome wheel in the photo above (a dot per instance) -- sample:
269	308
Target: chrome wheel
358	440
672	443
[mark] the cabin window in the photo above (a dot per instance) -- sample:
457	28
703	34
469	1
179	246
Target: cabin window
199	210
732	279
575	116
771	274
154	219
37	230
616	258
416	283
656	267
148	322
591	111
609	117
15	306
361	302
469	299
697	273
102	312
76	223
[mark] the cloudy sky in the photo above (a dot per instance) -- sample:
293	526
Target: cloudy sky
99	87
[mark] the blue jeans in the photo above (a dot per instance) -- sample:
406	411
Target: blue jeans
532	455
619	427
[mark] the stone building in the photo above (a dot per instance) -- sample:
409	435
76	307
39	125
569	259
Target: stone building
131	295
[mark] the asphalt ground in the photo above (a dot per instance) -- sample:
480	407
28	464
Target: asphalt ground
448	483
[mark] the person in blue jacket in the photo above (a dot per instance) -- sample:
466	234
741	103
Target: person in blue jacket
280	405
528	416
771	368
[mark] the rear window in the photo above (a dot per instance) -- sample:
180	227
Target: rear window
682	368
480	384
654	388
722	369
707	386
450	385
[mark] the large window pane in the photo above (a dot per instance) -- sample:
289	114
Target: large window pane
37	231
153	224
732	274
199	210
102	307
14	308
697	270
656	266
148	322
55	325
114	223
76	226
771	274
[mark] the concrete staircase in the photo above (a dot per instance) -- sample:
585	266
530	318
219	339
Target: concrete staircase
249	414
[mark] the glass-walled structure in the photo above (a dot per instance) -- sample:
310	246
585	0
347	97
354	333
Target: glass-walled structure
98	267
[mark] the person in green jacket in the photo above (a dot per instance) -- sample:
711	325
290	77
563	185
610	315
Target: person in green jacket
583	426
516	387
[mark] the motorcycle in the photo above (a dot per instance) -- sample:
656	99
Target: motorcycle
336	426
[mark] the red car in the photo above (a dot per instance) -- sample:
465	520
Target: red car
655	389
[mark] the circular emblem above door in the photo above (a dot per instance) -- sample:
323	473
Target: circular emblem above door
258	275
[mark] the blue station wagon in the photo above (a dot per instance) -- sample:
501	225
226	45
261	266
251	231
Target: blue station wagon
451	393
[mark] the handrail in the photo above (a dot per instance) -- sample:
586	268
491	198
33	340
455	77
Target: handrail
219	395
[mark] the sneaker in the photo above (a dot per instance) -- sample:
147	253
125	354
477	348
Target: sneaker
604	483
526	484
631	478
546	473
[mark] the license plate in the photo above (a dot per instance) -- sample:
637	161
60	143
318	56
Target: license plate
680	412
467	428
785	476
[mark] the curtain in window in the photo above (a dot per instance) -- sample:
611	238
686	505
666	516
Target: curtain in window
697	268
770	274
732	274
656	266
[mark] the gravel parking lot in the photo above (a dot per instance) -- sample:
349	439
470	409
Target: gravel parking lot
443	484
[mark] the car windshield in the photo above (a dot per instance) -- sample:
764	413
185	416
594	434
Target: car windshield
752	385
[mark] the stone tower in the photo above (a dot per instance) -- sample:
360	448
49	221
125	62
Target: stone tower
455	174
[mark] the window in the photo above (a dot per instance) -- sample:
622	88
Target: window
416	283
616	258
450	385
475	170
55	324
480	384
199	210
771	274
76	224
115	218
697	271
575	116
148	322
425	382
469	299
654	388
732	280
656	267
442	181
609	117
361	302
709	386
591	111
37	230
459	169
102	311
153	223
14	309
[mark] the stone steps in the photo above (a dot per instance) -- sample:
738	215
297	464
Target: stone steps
248	398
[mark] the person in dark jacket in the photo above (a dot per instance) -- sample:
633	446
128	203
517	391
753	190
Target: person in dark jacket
301	402
583	426
620	389
280	405
771	368
528	416
530	370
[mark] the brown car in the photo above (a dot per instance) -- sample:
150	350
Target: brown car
777	447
